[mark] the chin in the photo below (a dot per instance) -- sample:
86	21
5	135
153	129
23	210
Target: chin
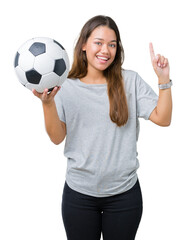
103	68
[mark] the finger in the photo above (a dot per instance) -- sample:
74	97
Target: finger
157	60
54	91
58	88
36	93
45	93
165	62
161	61
152	54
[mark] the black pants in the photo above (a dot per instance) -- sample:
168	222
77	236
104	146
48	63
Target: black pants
116	217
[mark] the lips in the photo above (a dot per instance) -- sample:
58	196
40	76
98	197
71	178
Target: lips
102	58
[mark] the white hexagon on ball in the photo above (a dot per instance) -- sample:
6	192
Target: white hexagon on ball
37	87
21	75
54	50
44	64
26	46
50	80
43	39
26	61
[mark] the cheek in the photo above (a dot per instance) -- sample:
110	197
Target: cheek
94	48
113	54
92	52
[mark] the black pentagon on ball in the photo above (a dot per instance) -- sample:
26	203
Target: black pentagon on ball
50	90
59	44
33	76
16	60
37	48
59	67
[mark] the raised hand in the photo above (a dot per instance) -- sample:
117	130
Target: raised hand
160	65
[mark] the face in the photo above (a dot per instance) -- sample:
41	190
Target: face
100	48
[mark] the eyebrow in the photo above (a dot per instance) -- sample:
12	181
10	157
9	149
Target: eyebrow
103	39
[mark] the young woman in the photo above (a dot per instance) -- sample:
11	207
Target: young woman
97	110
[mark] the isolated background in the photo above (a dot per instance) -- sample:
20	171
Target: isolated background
32	169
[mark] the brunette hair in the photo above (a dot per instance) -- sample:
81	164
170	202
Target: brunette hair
115	84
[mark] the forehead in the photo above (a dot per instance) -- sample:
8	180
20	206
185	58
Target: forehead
103	32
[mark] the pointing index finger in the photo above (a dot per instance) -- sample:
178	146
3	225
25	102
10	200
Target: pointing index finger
152	54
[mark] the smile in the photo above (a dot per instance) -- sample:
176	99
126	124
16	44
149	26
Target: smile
102	58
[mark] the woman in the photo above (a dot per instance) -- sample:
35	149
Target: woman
97	109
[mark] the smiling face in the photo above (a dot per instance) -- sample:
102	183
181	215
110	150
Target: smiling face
100	48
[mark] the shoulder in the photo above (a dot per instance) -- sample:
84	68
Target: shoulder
129	74
67	89
129	77
69	82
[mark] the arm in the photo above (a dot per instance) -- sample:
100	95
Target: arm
162	114
55	128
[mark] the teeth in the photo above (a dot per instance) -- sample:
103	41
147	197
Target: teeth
103	58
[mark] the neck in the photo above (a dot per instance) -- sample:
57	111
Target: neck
94	77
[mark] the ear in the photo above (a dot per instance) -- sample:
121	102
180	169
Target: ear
84	47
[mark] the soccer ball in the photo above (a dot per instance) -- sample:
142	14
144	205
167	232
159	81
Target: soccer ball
41	63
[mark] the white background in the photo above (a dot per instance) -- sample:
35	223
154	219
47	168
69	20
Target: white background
32	169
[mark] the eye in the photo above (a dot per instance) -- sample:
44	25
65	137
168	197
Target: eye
112	45
98	43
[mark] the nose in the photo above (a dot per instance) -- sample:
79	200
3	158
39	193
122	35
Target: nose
104	49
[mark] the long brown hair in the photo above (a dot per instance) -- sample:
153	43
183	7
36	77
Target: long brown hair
115	84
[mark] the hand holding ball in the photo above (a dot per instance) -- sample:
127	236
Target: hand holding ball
41	63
